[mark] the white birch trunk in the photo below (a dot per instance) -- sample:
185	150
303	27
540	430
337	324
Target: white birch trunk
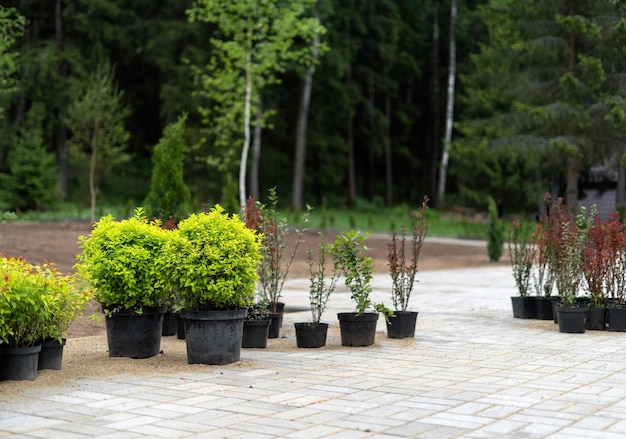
443	169
246	131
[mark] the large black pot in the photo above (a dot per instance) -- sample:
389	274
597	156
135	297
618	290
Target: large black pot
357	329
523	307
401	324
309	335
19	364
51	354
213	337
255	333
572	319
135	335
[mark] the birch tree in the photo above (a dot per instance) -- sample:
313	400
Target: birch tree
251	48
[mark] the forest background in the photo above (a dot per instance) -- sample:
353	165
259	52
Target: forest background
341	103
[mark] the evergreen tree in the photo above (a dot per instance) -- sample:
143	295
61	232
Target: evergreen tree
169	195
31	179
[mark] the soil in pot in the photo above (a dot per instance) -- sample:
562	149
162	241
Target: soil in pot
51	354
309	335
255	333
19	364
134	335
401	324
357	329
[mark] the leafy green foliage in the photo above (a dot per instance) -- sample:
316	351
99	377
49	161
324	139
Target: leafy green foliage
522	253
348	257
126	263
322	285
213	261
11	27
37	302
31	181
169	195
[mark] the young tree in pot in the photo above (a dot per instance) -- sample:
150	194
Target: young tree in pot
522	255
313	334
357	328
616	276
125	263
401	323
543	272
213	263
274	266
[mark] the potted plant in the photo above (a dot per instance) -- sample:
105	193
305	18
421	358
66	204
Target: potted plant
570	234
401	323
36	303
522	254
213	263
616	276
68	299
125	263
274	266
597	258
313	334
357	328
542	272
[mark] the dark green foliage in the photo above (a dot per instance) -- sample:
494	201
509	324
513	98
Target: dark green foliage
169	195
495	233
30	181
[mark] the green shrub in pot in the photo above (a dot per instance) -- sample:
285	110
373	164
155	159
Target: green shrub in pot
125	263
213	262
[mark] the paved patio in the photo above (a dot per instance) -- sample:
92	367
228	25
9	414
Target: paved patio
472	371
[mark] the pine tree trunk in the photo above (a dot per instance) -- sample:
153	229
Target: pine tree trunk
433	138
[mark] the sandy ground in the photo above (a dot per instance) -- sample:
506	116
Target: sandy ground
86	350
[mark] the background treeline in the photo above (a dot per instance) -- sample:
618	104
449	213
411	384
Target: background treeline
539	102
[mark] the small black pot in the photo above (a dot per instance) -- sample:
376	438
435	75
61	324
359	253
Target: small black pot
19	364
572	319
616	318
357	329
309	335
255	333
180	327
51	354
523	307
169	324
596	318
543	308
276	320
401	324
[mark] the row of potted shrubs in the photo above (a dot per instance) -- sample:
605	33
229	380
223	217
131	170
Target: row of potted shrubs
571	269
206	269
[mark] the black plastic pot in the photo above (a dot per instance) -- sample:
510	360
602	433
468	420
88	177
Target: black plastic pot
134	335
19	364
596	318
309	335
572	319
51	354
543	308
169	324
401	324
276	321
523	307
357	329
213	337
255	333
180	327
616	319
